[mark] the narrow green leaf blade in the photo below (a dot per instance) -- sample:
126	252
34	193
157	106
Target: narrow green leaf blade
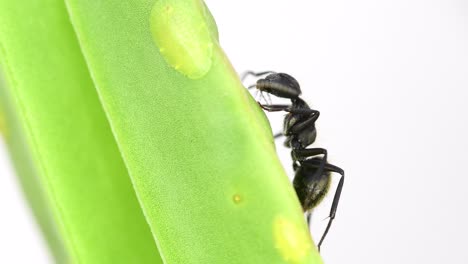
198	149
76	180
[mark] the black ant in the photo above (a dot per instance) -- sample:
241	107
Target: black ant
312	171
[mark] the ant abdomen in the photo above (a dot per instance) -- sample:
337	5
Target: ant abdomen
311	186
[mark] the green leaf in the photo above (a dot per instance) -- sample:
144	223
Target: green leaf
60	139
199	176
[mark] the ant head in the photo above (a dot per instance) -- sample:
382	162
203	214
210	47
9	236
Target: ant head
280	84
284	79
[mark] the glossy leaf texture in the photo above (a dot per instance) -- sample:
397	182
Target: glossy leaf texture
141	138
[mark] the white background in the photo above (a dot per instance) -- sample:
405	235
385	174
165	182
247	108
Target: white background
390	79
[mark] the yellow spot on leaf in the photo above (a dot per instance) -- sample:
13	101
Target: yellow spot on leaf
237	198
292	240
181	32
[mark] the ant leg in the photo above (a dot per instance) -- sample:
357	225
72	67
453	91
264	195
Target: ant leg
269	98
251	86
277	135
261	95
289	109
308	217
302	154
303	111
314	115
310	121
336	198
333	209
275	107
255	74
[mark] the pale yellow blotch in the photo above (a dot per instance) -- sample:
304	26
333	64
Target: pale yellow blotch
181	32
237	198
292	240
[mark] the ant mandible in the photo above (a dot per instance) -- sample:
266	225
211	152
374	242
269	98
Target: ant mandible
312	171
